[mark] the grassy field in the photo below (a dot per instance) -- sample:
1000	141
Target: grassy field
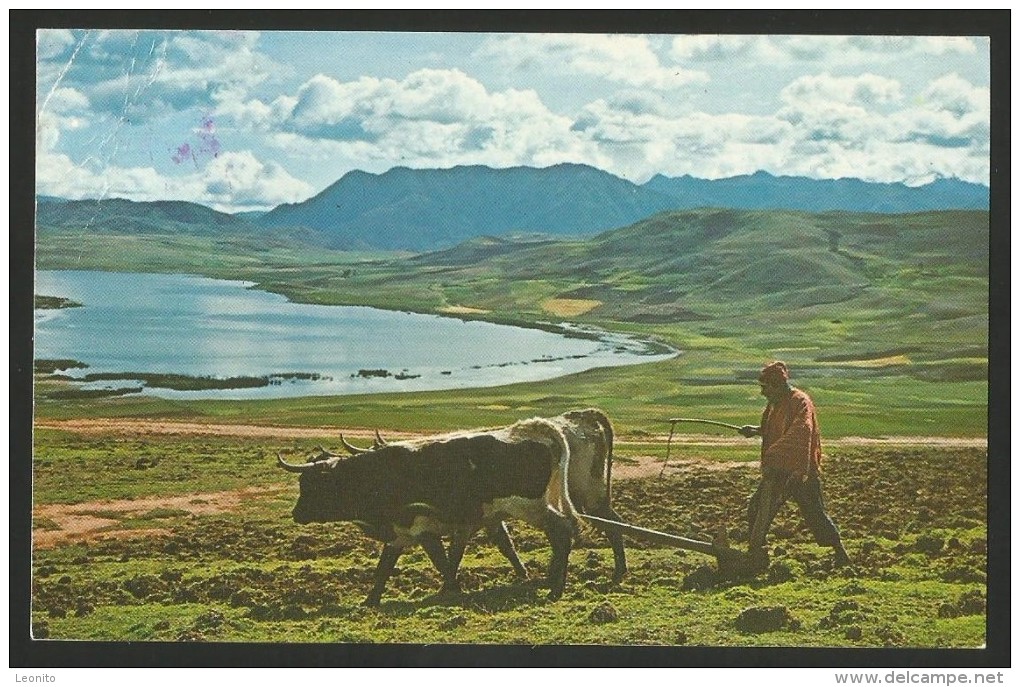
638	398
913	519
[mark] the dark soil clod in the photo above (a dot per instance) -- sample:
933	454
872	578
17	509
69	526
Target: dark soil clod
764	619
604	613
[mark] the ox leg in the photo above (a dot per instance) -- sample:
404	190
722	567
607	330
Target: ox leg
560	531
387	562
615	540
455	554
434	548
501	538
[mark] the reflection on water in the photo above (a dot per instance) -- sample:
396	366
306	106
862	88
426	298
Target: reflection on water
176	324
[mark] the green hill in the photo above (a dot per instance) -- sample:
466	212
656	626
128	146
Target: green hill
854	292
725	258
120	216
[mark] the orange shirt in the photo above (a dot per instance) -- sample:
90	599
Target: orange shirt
790	437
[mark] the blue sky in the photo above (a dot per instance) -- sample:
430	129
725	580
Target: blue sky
248	120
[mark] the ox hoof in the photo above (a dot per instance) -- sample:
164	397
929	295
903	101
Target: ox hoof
371	602
619	575
756	562
450	588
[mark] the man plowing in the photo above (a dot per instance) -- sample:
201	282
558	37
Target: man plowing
791	455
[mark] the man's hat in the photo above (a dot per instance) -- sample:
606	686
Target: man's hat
775	373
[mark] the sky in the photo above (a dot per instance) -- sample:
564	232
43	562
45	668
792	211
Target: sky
245	121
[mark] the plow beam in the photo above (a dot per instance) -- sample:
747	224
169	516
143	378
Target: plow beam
732	563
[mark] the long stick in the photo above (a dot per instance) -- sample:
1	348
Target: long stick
703	422
669	442
672	426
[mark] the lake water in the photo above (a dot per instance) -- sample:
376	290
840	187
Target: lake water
156	323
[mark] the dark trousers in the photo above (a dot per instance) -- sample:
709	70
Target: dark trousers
773	491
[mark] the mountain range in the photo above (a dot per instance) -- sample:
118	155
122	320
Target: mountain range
431	209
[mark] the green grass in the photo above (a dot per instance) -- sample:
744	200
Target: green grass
637	398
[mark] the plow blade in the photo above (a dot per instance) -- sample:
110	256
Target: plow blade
732	563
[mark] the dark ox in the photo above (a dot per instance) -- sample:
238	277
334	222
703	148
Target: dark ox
589	436
417	492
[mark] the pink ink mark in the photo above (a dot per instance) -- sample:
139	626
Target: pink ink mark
183	153
207	145
207	134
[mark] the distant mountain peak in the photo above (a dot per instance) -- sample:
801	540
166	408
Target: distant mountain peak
434	209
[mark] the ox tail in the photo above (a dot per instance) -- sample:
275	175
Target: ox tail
556	432
545	430
607	432
602	469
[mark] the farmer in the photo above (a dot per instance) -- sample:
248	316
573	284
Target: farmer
791	456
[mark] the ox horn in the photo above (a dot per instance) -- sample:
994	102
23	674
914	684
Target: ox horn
289	467
379	441
354	450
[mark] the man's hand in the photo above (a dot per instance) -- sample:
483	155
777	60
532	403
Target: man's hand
750	431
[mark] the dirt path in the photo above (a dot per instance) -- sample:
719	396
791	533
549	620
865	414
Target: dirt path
136	427
69	523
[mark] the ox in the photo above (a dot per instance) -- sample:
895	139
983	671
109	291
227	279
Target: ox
414	493
589	435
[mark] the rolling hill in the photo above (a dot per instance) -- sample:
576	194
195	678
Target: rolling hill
120	216
686	265
761	190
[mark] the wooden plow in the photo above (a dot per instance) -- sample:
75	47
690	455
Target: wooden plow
732	563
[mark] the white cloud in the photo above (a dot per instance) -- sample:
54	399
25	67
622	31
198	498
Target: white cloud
430	118
229	182
711	47
826	126
941	45
619	58
784	50
141	75
67	100
957	96
240	179
863	90
50	43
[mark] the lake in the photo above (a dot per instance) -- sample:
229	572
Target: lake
196	326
